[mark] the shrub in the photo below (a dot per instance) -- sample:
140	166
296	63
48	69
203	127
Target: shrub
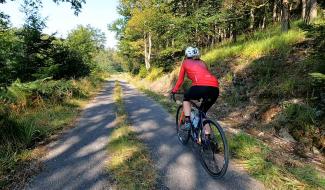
154	73
54	91
300	115
143	72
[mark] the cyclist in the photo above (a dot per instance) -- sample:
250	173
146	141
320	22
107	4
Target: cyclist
204	85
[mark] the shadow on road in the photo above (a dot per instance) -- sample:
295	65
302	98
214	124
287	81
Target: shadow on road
77	159
177	165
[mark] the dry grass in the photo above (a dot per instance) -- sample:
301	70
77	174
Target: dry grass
129	161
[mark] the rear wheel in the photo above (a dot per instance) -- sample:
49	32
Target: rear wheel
182	133
214	152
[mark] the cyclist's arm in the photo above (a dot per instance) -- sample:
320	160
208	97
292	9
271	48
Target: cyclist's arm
180	79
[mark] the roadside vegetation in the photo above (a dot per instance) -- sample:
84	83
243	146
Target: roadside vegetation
44	83
277	85
31	112
129	161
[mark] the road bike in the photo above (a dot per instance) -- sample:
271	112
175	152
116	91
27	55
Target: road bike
209	137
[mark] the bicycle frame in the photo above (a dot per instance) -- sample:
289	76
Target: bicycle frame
204	141
202	116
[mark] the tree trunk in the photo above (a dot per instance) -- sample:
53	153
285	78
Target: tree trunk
230	31
147	50
234	33
252	20
274	11
303	9
311	11
285	16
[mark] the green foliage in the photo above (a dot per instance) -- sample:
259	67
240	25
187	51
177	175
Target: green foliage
302	117
75	4
258	160
143	72
154	73
30	112
10	49
65	62
86	41
173	25
309	175
261	43
318	79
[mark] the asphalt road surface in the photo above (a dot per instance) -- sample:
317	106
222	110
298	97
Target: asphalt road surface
178	167
77	159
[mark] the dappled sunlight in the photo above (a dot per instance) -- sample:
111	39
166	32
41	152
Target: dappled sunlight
142	111
81	150
253	49
63	147
128	161
179	165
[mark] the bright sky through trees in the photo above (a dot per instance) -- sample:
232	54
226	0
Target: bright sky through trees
61	18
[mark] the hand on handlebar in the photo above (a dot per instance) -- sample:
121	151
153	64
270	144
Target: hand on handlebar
172	96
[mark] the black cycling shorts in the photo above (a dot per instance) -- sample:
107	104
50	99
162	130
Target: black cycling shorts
209	95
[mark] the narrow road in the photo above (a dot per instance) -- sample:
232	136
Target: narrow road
177	165
77	159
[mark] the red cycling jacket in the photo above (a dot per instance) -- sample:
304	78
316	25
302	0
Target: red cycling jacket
197	72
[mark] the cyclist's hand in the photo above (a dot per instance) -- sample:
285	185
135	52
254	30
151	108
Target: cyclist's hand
172	96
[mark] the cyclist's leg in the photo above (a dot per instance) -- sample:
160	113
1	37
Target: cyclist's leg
210	97
191	94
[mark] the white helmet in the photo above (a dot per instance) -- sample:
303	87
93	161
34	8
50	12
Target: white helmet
192	52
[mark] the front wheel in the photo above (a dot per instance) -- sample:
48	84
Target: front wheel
182	133
214	152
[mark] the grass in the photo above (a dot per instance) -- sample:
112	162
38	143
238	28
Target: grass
26	119
260	43
257	158
129	161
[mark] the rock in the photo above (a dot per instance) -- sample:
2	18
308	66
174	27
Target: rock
285	134
261	134
315	150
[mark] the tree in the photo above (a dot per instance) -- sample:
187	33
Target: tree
309	10
156	32
35	47
75	4
285	16
87	41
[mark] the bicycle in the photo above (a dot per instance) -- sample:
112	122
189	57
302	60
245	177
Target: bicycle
213	147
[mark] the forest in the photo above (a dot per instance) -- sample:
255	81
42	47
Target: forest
154	33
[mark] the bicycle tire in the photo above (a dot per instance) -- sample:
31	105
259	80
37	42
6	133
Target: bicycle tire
225	150
183	135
